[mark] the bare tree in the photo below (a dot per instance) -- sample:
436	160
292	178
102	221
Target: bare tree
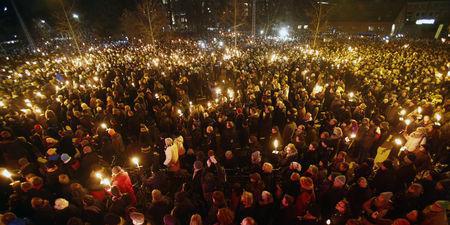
319	14
148	21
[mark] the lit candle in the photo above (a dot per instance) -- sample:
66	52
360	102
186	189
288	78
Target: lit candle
7	174
398	141
99	175
135	160
407	122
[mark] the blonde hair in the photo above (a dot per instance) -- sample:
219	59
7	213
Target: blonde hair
196	219
225	216
267	167
247	198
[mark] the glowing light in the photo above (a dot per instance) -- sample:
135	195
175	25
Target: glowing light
135	160
317	89
283	33
407	122
38	110
352	135
7	174
218	91
328	222
180	113
230	93
156	96
275	144
75	16
104	126
403	112
419	110
209	104
2	104
99	175
351	94
398	141
95	78
105	181
425	21
438	117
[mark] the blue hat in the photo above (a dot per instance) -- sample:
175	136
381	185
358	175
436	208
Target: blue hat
65	158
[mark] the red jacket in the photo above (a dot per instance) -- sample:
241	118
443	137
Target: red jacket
123	182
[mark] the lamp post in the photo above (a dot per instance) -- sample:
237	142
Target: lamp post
319	15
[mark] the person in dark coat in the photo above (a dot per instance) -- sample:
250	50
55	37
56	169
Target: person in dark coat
218	202
332	196
158	207
385	178
407	171
43	213
183	208
409	200
286	214
92	210
357	195
64	211
341	214
119	202
11	149
246	209
89	161
265	209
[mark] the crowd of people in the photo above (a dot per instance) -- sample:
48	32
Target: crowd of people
352	131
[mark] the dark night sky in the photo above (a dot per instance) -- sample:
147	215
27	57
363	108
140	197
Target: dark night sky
103	15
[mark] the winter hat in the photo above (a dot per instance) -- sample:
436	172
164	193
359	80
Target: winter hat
339	181
65	158
401	221
51	151
50	140
169	220
306	183
387	195
137	218
168	141
61	204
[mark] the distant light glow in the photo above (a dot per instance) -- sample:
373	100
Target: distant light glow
283	33
425	21
75	16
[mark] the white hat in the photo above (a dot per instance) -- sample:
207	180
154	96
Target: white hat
61	204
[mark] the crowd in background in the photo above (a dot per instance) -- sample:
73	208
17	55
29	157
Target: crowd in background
353	131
